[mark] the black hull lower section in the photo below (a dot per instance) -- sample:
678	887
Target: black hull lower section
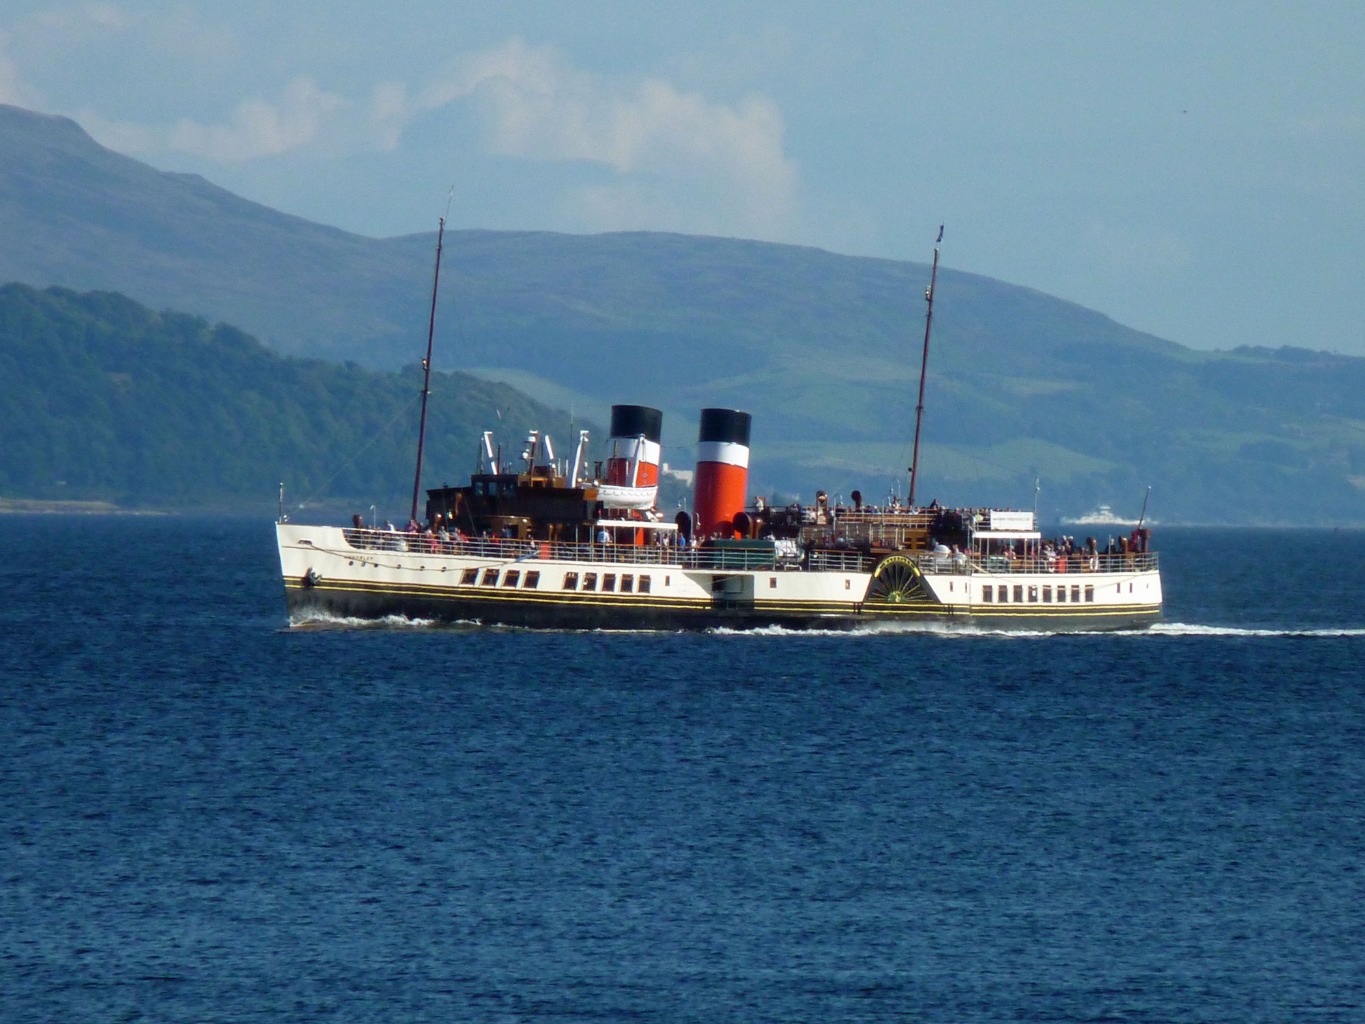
313	603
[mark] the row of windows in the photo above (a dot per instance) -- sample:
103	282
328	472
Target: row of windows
511	578
1002	594
628	583
610	582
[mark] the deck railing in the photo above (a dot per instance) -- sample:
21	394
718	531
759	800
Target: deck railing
833	560
1124	562
498	549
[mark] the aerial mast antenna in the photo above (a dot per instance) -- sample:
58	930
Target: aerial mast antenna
923	369
426	363
1142	518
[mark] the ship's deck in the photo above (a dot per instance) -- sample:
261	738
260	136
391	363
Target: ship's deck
786	555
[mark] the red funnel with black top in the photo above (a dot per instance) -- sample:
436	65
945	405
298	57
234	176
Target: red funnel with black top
722	470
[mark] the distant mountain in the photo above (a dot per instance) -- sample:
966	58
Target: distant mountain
1024	390
75	214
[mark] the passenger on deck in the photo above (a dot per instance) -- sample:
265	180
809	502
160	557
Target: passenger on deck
942	555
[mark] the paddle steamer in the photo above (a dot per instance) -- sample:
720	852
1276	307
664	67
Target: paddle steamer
556	545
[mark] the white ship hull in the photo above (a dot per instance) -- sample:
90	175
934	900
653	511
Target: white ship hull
342	573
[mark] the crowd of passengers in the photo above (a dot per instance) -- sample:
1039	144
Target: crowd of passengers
1059	554
442	536
437	535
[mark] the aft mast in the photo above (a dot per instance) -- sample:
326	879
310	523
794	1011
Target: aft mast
426	371
923	369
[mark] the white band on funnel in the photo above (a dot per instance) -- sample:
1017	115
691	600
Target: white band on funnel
727	453
625	448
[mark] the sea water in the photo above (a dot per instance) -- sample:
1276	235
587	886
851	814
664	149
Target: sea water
207	815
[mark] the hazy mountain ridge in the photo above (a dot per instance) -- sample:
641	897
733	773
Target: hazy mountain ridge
822	348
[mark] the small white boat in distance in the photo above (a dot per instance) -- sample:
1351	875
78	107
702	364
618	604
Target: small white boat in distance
1102	515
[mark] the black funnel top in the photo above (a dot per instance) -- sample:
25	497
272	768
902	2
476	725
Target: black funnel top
634	420
728	425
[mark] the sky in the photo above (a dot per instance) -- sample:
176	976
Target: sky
1191	169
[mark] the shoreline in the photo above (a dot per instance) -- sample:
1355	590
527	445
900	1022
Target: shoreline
34	506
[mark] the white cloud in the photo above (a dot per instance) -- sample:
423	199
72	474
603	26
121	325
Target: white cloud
120	136
664	156
658	139
109	16
389	111
259	128
102	16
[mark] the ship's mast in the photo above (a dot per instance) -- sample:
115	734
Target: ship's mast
426	370
923	369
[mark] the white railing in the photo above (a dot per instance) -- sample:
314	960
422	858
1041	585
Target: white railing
1077	564
499	549
828	560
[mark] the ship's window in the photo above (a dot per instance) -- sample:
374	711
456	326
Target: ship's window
772	582
511	577
1047	595
590	581
469	577
490	577
644	584
1018	593
532	580
848	584
1076	593
609	581
1033	595
627	583
668	581
1090	594
571	581
987	594
1061	595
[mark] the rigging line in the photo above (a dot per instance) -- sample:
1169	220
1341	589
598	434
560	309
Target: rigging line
355	456
965	453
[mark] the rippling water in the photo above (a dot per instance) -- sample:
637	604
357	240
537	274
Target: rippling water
209	816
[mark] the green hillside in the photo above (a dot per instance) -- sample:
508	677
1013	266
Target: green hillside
106	400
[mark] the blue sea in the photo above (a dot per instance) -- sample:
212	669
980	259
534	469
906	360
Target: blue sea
206	815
